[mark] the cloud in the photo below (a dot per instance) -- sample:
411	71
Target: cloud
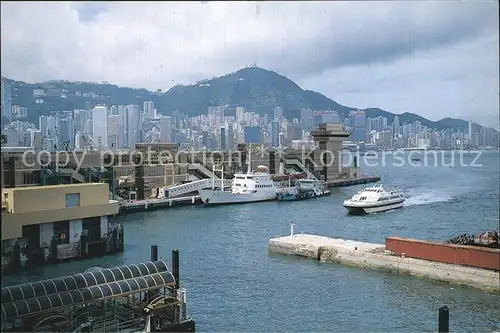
157	45
460	81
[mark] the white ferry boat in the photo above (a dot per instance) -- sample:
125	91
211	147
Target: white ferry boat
247	187
374	200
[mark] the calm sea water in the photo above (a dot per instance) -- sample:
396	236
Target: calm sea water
234	284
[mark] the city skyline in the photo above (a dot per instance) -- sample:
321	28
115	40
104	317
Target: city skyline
121	127
429	60
21	109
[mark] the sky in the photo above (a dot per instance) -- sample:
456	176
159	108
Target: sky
433	58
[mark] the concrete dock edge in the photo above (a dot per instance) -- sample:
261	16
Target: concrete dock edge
374	256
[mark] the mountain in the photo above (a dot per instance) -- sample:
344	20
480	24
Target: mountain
253	88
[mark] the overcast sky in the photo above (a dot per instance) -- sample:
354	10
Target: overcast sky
436	59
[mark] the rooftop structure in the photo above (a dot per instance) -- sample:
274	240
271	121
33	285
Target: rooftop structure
328	154
144	297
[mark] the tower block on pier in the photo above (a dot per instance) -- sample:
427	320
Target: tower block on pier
328	154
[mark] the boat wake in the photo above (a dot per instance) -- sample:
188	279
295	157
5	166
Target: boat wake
428	197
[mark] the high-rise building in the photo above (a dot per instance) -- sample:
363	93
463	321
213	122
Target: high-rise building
12	136
216	113
293	132
281	140
42	125
80	141
395	125
48	144
165	129
100	127
474	134
252	134
223	138
52	129
18	112
278	113
383	139
407	130
378	124
489	137
36	139
358	125
134	125
88	126
6	101
239	113
114	132
66	133
275	133
149	107
307	119
327	117
230	135
80	117
123	135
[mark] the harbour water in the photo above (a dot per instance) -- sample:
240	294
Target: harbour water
235	284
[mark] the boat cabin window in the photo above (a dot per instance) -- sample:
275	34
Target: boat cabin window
249	177
239	177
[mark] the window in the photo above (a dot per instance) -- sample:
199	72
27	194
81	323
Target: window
72	200
32	177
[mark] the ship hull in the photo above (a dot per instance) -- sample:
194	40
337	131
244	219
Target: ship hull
357	209
213	198
301	195
186	326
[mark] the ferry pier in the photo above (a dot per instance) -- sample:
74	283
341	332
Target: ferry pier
53	223
167	182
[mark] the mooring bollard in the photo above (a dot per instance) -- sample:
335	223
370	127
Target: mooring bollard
154	252
444	320
291	229
175	267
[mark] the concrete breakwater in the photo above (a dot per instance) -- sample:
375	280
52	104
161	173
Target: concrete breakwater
375	256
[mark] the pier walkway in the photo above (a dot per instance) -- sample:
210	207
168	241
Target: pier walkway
153	203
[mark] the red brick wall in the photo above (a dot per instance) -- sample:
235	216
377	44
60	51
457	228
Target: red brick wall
447	253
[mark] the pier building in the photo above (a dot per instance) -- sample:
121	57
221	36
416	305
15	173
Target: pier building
328	157
42	224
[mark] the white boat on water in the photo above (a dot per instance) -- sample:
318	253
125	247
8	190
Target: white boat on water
304	189
247	187
374	200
